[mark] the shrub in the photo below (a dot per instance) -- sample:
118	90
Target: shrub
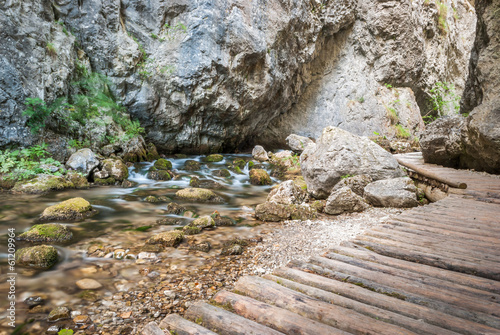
443	98
51	50
38	112
402	132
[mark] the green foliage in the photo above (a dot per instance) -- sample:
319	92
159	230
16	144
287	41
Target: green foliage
443	98
402	132
38	112
346	176
389	86
79	144
167	69
51	49
61	23
442	16
361	100
26	163
154	36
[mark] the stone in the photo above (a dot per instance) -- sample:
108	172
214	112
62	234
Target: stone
167	239
356	183
298	143
344	200
115	168
156	174
287	193
214	158
203	222
78	180
105	182
88	284
339	153
396	192
202	246
82	320
204	183
191	230
259	177
71	210
50	232
234	250
260	154
41	257
34	301
175	208
170	221
221	173
101	175
163	164
192	165
271	211
221	220
151	199
58	314
83	161
41	184
198	195
152	329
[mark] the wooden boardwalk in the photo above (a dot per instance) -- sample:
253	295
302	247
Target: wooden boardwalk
431	270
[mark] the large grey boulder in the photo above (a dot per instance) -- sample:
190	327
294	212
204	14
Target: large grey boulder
287	193
84	161
396	192
344	200
298	143
339	153
260	154
356	183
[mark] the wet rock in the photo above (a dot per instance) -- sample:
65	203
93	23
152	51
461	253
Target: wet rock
38	257
84	161
202	246
163	164
152	199
339	153
105	182
240	163
152	329
167	239
344	200
356	183
128	184
221	221
170	221
191	230
198	195
271	211
221	173
298	143
156	174
283	163
234	250
80	320
287	193
396	192
78	180
115	168
43	183
214	158
192	165
197	183
89	295
101	175
50	232
71	210
175	208
260	154
58	314
203	222
88	284
259	177
34	300
233	247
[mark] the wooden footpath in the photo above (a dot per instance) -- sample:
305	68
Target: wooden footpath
430	270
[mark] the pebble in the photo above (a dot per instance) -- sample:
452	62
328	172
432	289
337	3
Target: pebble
59	313
88	284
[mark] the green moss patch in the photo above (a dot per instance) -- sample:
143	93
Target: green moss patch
72	209
41	257
50	232
163	164
198	195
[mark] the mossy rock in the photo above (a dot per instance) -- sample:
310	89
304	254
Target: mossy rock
191	230
233	247
163	164
259	177
105	181
318	205
192	165
198	195
221	221
197	183
271	211
239	162
79	181
203	222
72	210
58	314
42	184
194	182
180	156
50	232
6	183
152	153
151	199
170	221
115	168
222	173
214	158
156	174
41	257
167	239
175	208
128	184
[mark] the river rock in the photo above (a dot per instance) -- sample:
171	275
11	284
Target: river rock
163	164
203	222
356	183
298	143
78	180
41	257
259	177
339	153
88	284
260	154
84	161
198	195
175	208
155	174
221	220
204	183
152	329
167	239
50	232
221	173
214	158
58	314
287	193
42	183
344	200
271	211
396	192
202	246
115	168
192	165
71	210
191	230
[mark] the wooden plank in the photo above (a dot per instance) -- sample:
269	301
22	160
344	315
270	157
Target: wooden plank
426	173
368	297
432	259
427	223
274	317
296	302
224	322
409	323
180	326
352	250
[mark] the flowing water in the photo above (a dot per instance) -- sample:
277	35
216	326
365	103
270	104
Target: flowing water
121	212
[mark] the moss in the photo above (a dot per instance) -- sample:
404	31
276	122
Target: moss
180	156
222	173
194	182
214	158
156	174
191	165
239	162
79	181
152	153
167	239
89	295
259	177
203	222
42	184
50	232
151	199
163	164
105	181
198	195
39	257
72	209
237	169
116	168
191	230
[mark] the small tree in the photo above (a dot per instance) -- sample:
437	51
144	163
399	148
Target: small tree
444	99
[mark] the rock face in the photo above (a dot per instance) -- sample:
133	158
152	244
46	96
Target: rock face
344	200
83	161
441	142
396	192
339	153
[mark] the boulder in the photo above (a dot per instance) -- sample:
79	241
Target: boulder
192	165
59	313
221	220
339	153
204	183
198	195
221	173
287	193
203	222
41	257
84	161
50	232
260	154
72	210
77	179
167	239
441	142
271	211
88	284
396	192
175	208
115	168
163	164
156	174
42	183
202	246
344	200
298	143
259	177
356	183
191	230
214	158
